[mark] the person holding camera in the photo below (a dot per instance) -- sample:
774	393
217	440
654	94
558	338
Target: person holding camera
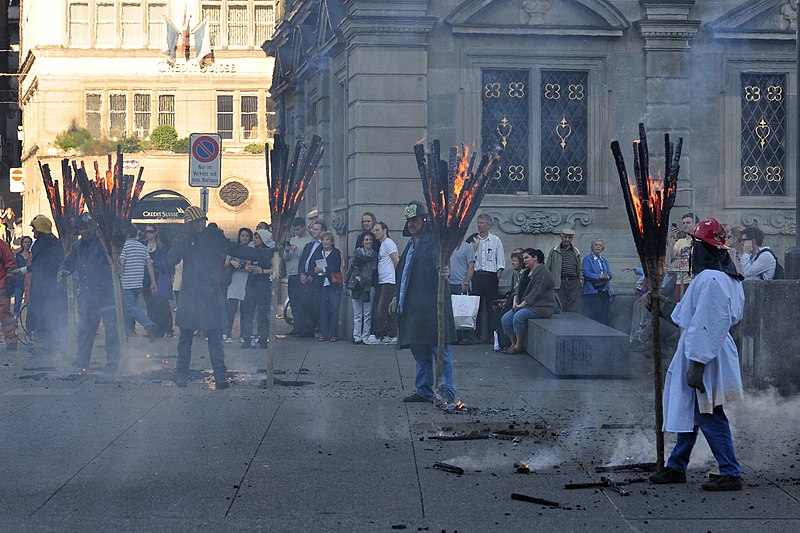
363	265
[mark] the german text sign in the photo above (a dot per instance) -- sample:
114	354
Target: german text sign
204	160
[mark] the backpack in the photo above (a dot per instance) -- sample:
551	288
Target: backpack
779	274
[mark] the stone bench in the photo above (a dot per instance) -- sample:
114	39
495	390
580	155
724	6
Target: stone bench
571	345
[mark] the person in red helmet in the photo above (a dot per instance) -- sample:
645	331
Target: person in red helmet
704	373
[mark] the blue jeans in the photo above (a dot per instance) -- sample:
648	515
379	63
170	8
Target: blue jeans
717	432
425	356
133	311
329	311
215	352
517	320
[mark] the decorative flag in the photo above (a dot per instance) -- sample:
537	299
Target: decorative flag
202	42
171	42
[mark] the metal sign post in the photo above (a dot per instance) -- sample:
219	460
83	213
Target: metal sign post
205	157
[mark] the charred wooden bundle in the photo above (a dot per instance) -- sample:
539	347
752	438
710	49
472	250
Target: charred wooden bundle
65	198
288	179
110	200
648	202
453	191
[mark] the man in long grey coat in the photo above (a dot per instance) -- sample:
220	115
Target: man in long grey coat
201	304
417	276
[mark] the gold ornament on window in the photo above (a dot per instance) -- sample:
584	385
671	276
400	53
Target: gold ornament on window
563	130
503	129
763	131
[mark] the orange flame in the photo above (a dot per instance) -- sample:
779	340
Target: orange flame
656	188
463	172
459	405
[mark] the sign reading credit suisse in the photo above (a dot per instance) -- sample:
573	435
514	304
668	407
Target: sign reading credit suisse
204	160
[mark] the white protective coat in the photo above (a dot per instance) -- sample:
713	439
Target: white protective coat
713	303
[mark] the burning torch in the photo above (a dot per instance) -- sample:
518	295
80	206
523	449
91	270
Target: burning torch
648	202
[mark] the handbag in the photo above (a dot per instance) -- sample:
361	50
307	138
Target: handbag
355	282
465	310
336	278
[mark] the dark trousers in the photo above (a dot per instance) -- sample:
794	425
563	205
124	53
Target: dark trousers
596	306
569	294
256	303
383	323
484	284
307	313
231	306
215	352
159	311
91	313
329	311
293	287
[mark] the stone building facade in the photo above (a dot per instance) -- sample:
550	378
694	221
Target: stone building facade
553	82
102	65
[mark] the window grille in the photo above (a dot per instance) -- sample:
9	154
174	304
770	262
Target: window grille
211	13
564	132
141	114
763	134
118	110
237	25
94	122
225	116
505	126
156	33
105	25
131	25
166	109
249	116
78	24
264	23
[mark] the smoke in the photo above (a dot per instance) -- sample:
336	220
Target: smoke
545	458
764	426
489	460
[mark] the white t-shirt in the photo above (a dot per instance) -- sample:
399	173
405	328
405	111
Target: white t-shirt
385	264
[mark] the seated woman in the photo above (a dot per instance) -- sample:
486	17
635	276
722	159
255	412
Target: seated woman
538	300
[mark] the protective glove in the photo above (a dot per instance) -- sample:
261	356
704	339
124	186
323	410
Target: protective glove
694	377
61	274
393	306
665	308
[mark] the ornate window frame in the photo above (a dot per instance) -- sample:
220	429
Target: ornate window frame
730	129
599	162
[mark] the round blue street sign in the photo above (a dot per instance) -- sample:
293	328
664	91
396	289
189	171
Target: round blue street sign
205	149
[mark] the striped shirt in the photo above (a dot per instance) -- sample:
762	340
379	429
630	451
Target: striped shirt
569	263
136	258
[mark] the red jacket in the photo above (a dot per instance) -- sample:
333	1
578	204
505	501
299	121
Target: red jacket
9	263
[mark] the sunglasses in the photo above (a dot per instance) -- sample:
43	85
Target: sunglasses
150	231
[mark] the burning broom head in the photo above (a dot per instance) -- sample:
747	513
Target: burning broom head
453	192
288	179
110	199
66	201
649	201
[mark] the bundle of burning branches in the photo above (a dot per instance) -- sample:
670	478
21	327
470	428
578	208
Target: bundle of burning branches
453	192
287	181
66	200
648	202
110	200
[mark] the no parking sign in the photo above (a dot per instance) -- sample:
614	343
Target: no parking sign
204	160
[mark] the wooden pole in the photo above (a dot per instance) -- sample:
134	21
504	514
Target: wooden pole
273	322
658	371
441	306
72	343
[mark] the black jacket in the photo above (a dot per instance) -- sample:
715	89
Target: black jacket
48	298
94	271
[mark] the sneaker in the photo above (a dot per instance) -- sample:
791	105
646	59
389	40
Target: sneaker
416	398
181	380
371	340
227	340
389	340
355	341
718	483
224	337
668	475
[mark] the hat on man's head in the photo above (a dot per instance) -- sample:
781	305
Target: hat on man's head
193	213
42	224
567	231
84	220
413	209
710	231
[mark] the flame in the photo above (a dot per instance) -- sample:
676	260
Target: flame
462	174
459	405
656	189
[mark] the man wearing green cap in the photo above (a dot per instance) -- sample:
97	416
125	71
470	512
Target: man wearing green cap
47	311
418	275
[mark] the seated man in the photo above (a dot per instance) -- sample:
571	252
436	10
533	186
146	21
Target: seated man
536	300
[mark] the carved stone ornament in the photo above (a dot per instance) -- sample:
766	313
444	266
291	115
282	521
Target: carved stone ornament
339	223
234	193
772	224
788	16
539	222
534	11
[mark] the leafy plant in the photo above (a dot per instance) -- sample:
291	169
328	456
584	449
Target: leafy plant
164	137
254	148
181	146
73	138
131	145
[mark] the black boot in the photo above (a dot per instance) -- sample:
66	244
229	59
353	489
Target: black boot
721	483
668	475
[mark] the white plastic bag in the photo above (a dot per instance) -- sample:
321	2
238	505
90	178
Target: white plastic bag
465	310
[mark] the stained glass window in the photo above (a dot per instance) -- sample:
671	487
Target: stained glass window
505	126
564	124
763	134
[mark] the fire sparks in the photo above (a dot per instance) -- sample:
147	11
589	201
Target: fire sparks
459	405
